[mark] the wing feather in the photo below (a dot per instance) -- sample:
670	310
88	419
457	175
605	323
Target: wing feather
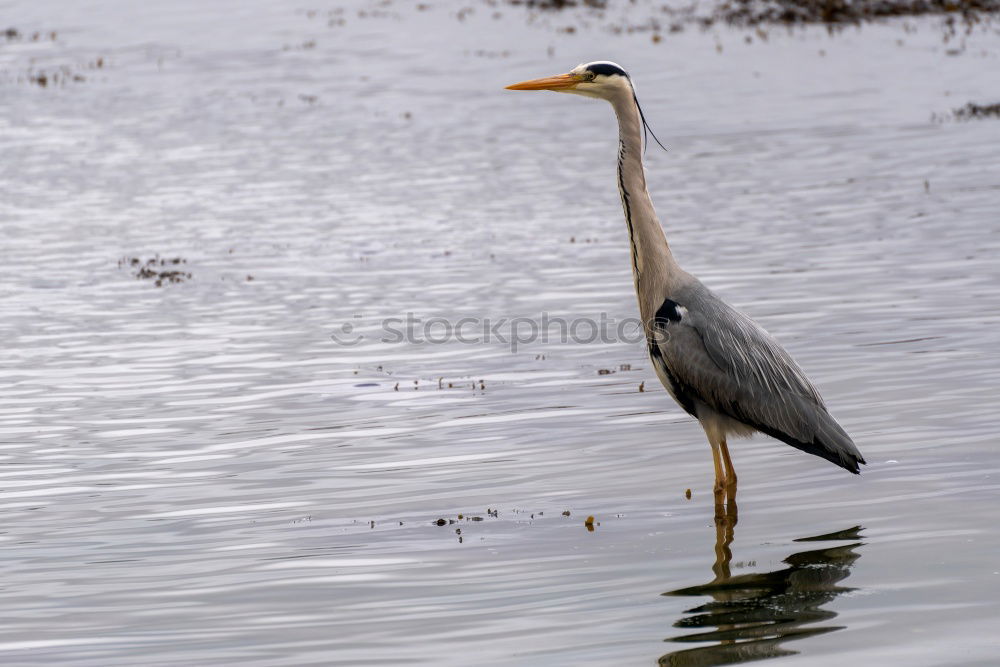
736	368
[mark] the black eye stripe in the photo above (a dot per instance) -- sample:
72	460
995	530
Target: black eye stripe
606	69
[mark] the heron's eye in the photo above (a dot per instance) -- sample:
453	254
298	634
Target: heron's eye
589	76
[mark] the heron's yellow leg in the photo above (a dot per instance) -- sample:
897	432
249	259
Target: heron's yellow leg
728	462
720	475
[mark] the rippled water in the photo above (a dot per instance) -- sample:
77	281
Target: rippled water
199	473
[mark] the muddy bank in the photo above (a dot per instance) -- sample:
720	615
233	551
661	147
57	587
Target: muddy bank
841	12
762	13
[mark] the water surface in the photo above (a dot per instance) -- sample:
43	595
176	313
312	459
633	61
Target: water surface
198	473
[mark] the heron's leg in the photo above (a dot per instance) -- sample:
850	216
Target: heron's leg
730	470
720	475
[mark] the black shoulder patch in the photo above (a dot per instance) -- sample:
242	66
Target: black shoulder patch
606	69
666	313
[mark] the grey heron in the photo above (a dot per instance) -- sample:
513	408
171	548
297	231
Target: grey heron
718	364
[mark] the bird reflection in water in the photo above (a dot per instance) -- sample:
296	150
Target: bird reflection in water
752	615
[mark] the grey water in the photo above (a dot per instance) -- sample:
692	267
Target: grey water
242	467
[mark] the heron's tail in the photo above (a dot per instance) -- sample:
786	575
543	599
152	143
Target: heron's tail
825	438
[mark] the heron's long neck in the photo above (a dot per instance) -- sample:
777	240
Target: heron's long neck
653	266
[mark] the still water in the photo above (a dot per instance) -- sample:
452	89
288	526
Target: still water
201	473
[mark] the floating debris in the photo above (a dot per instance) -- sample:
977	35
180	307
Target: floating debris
642	386
560	4
687	494
973	111
154	269
51	75
970	111
12	34
61	76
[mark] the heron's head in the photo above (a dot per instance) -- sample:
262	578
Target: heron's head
602	79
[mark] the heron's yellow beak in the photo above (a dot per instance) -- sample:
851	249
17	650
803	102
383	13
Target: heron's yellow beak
558	82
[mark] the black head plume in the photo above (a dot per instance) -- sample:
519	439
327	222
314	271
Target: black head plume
646	129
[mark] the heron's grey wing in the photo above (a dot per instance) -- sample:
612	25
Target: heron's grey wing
716	354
